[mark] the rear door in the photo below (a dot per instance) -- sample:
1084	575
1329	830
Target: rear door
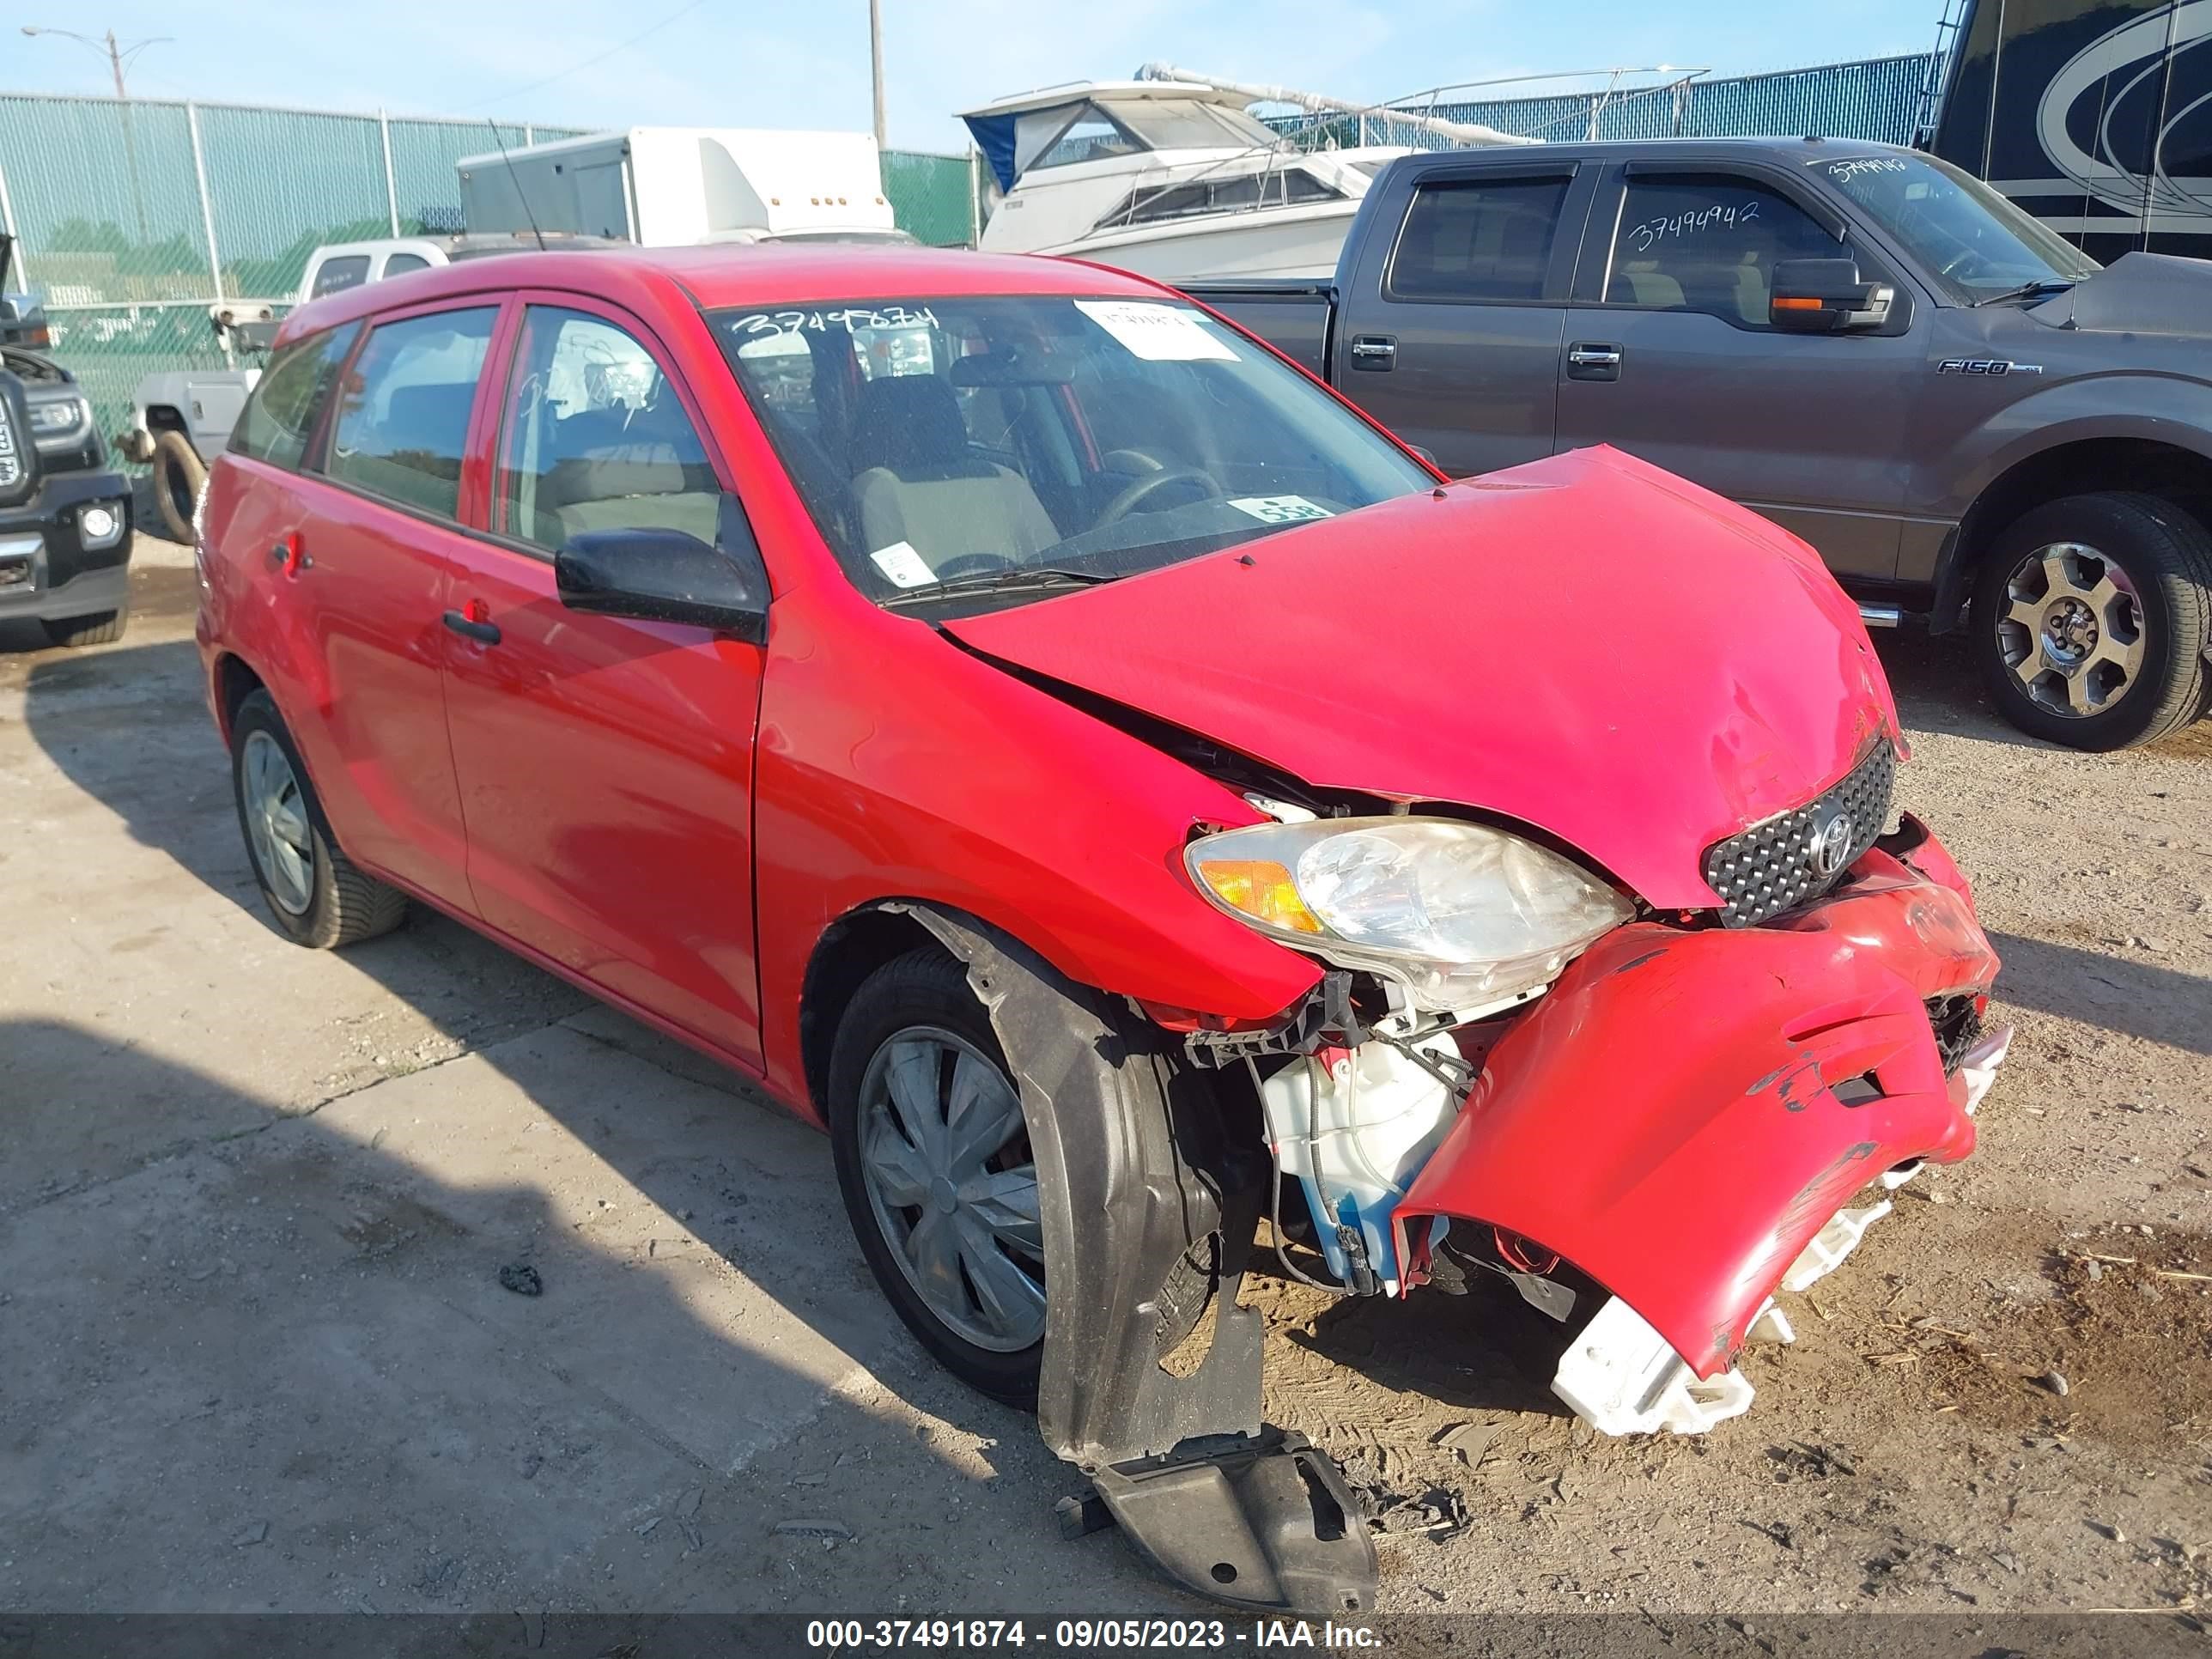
606	764
368	568
1456	306
1670	355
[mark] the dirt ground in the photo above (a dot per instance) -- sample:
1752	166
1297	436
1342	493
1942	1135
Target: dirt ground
255	1203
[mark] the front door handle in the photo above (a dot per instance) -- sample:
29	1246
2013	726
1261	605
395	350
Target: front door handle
1374	351
1593	360
473	627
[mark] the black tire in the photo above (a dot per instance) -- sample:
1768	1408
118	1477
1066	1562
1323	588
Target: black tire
928	988
178	472
102	628
346	904
2166	555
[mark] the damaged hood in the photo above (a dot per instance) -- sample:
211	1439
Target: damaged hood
1586	644
2137	294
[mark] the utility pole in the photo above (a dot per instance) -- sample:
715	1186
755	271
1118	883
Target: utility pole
876	65
118	56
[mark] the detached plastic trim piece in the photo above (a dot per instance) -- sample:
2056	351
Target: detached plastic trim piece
1623	1378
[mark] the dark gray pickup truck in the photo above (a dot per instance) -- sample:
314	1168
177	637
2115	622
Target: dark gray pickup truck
1976	425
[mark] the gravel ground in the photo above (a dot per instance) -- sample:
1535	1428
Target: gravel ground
253	1205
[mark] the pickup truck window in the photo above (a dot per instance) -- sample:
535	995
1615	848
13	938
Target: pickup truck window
337	273
1708	242
971	453
1974	242
1473	239
278	418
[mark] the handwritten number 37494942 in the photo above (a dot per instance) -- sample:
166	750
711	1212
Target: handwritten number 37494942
1692	221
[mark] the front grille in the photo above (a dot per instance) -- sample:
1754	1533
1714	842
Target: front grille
1799	855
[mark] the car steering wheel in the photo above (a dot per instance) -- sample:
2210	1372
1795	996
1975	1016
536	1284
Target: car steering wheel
1144	488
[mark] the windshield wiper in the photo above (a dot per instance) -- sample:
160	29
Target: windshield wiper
1000	581
2026	290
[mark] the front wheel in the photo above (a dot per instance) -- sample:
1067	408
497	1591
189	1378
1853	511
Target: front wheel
316	896
102	628
2092	616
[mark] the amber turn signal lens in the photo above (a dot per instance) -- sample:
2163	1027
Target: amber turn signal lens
1263	890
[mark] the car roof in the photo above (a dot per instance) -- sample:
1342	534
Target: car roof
729	275
1801	149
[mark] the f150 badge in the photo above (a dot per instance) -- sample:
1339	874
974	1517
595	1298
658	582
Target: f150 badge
1985	366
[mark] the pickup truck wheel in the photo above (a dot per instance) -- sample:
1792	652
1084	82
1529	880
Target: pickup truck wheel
934	1161
178	472
2092	616
315	895
103	628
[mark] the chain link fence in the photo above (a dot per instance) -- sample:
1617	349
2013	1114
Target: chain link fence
1878	99
130	218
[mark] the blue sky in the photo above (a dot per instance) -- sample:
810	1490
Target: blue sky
722	62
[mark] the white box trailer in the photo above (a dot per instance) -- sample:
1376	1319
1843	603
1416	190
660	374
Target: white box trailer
675	186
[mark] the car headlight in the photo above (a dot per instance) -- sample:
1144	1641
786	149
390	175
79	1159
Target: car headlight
58	421
1459	914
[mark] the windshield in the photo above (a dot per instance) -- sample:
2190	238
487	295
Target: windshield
1977	244
963	454
1165	123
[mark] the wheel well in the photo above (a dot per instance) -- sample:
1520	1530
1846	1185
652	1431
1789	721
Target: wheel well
234	683
165	417
850	949
2181	476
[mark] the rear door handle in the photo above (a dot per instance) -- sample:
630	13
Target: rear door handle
1593	360
1374	351
483	633
289	557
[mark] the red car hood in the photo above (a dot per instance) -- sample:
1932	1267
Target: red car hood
1586	644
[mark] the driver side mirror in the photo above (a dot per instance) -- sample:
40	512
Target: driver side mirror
670	575
1826	296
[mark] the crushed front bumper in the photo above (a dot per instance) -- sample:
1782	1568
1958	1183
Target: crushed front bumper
1685	1115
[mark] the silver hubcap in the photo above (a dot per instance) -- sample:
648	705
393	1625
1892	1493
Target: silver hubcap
944	1155
277	824
2072	629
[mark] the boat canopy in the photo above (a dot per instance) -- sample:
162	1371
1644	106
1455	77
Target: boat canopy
1088	120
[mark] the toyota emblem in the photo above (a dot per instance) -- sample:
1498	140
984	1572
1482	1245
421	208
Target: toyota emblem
1830	843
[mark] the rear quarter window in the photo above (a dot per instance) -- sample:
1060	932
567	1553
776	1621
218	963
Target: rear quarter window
280	417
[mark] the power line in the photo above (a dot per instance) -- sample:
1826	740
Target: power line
600	58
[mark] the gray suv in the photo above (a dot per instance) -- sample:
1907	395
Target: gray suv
1974	423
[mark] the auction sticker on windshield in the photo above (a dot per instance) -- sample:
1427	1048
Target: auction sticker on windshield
1158	334
902	565
1279	509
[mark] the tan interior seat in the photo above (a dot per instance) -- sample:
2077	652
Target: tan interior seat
915	480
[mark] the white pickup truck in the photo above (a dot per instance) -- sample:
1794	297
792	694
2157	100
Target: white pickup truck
181	416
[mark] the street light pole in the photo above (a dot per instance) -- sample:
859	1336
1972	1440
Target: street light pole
876	65
117	56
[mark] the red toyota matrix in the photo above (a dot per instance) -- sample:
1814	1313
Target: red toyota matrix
1131	802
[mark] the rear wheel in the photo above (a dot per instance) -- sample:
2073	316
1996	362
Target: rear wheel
102	628
2092	616
178	472
316	896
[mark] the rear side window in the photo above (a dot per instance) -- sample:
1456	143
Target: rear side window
275	425
335	275
398	264
403	414
1477	239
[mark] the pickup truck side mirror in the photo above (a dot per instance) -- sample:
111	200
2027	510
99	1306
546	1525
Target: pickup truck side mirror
668	575
1826	296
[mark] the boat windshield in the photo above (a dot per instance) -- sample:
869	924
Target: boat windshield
1187	123
968	453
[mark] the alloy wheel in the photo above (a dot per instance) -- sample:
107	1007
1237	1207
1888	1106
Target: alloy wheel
945	1159
2072	630
277	824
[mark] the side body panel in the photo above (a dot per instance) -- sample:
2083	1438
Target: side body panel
1699	1074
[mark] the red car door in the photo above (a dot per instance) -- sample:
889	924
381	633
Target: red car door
367	566
606	764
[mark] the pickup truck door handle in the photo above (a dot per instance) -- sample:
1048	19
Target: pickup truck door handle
1593	360
473	627
1374	351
